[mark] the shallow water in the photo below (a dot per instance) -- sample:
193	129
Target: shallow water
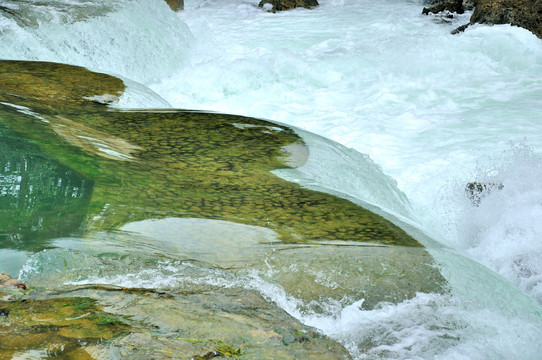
425	111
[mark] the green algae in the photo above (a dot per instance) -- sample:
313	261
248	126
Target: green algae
227	350
143	167
53	86
56	326
152	164
218	323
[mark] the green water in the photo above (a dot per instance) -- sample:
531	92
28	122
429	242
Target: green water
148	165
41	198
148	200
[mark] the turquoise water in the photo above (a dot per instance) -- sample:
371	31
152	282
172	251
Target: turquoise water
417	112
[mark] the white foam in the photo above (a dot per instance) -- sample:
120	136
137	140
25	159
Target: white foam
429	326
504	232
119	38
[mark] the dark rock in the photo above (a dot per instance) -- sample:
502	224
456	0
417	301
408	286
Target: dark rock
476	191
281	5
460	29
176	5
523	13
453	6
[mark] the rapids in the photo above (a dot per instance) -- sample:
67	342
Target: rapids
417	114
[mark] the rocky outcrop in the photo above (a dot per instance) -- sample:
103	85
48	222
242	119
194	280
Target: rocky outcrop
280	5
523	13
176	5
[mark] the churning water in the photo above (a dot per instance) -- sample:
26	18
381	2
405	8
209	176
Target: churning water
418	112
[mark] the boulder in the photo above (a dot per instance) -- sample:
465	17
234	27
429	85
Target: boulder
176	5
280	5
523	13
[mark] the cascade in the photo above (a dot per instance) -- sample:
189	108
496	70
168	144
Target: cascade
398	116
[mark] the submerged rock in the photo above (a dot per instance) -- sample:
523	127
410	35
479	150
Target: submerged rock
169	188
58	327
106	322
281	5
185	164
54	86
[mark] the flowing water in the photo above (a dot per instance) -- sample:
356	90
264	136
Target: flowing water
417	114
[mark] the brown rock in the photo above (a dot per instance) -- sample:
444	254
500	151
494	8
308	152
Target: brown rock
7	281
176	5
280	5
524	13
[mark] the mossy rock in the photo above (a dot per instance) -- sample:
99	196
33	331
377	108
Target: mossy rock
57	326
232	323
156	164
162	166
55	86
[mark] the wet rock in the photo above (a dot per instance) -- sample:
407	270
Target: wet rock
54	85
151	165
199	173
476	191
451	6
176	5
469	5
197	324
376	274
459	29
281	5
523	13
7	281
61	327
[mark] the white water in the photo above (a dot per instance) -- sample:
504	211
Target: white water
433	110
